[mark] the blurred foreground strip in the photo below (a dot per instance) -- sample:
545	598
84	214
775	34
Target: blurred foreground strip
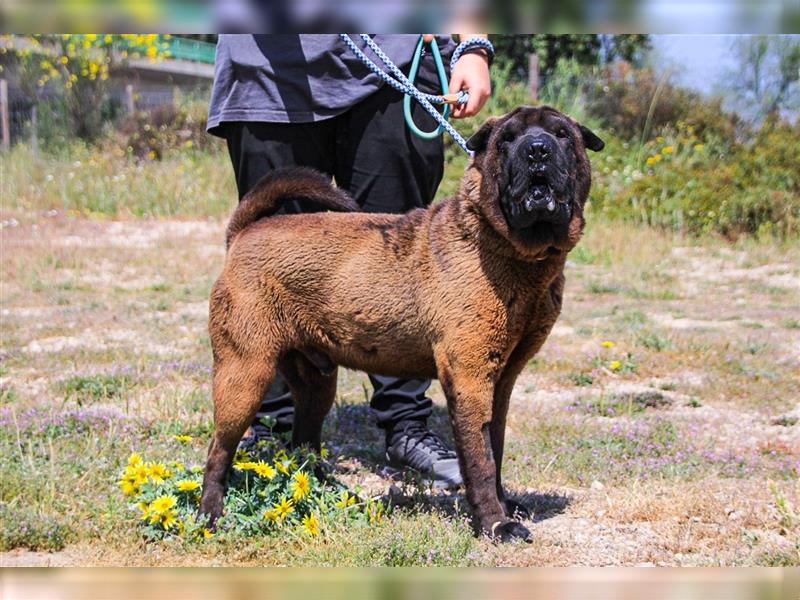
419	584
400	16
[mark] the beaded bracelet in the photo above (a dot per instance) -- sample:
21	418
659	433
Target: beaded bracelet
470	45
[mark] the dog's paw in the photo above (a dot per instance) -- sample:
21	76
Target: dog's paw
511	531
516	510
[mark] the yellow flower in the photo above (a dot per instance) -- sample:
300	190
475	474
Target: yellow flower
607	344
128	487
63	60
263	469
311	524
651	161
345	501
271	514
656	157
168	519
324	452
207	533
187	485
184	439
134	476
615	364
660	139
667	149
158	472
281	510
145	508
151	52
301	485
151	155
245	466
699	147
284	463
108	39
162	504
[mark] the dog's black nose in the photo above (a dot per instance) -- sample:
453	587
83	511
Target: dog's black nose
539	151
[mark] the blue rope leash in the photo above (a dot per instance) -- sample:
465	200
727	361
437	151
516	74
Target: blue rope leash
396	79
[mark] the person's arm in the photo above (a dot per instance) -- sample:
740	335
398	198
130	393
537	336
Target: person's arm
471	73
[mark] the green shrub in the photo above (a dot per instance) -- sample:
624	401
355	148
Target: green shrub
679	181
633	102
151	134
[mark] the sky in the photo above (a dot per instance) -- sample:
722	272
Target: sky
698	61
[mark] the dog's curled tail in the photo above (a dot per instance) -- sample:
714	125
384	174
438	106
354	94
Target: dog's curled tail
311	188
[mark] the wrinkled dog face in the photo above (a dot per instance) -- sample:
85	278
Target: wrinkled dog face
539	166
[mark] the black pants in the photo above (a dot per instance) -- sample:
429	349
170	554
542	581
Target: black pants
370	152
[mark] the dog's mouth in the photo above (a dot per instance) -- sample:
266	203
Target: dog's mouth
540	194
538	203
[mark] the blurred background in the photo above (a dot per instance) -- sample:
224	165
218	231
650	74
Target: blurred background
517	16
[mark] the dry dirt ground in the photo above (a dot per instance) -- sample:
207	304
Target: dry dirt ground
658	425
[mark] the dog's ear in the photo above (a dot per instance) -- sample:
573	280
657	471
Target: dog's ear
590	140
480	138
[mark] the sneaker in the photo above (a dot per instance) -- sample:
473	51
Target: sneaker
418	448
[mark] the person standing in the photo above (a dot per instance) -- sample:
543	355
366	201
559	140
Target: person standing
307	100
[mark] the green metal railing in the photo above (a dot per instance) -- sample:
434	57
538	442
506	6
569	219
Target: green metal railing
184	49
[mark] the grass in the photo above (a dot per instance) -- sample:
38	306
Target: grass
104	350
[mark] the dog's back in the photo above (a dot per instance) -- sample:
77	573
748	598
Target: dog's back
310	188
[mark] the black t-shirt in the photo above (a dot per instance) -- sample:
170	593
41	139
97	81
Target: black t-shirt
304	78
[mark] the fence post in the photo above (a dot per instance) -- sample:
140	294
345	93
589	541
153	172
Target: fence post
4	114
130	106
533	76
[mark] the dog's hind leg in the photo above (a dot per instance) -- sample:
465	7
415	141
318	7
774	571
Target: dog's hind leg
313	391
238	387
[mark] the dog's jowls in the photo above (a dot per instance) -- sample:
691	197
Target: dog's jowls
465	291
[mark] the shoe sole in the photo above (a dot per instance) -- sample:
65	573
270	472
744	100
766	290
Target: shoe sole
437	484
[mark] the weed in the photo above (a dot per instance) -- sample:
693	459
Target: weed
653	341
92	388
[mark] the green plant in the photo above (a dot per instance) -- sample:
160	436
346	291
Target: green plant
32	529
271	491
83	388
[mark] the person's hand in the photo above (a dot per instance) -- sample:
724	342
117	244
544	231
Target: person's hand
471	73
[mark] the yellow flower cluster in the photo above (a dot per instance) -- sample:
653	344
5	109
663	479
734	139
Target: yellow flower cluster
137	473
260	468
160	511
651	160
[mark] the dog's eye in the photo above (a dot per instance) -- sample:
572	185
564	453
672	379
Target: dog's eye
562	132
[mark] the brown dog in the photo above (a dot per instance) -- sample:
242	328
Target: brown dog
466	291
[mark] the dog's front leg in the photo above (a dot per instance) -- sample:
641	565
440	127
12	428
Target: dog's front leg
469	401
